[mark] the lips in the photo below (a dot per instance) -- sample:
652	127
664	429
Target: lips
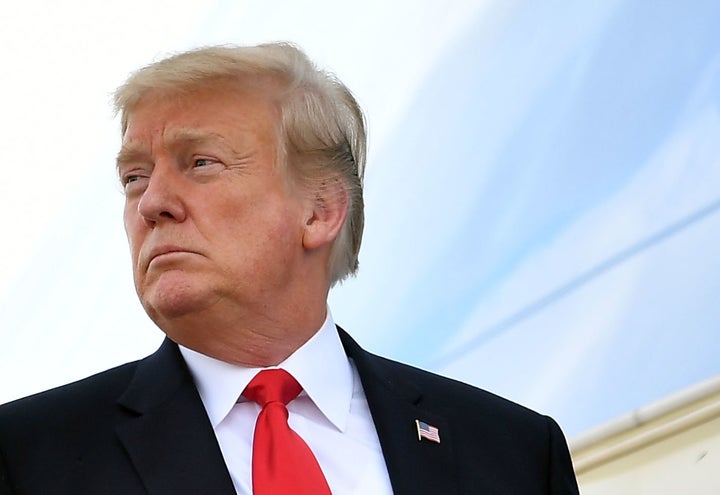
166	249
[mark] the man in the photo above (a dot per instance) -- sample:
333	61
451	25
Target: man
242	170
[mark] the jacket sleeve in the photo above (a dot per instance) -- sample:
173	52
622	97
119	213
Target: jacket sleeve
561	475
4	477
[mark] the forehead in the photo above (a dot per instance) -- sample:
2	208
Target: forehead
217	112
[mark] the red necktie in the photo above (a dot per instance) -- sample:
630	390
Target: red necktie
282	463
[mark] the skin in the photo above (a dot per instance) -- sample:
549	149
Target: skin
230	258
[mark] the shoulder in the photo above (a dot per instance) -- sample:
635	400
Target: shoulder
453	396
47	435
68	402
519	447
161	370
448	396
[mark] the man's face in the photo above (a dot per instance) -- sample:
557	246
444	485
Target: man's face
212	223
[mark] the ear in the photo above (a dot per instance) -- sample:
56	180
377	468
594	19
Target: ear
327	208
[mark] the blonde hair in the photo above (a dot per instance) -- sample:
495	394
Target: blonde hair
322	128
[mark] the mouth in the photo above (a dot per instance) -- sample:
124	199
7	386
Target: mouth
166	251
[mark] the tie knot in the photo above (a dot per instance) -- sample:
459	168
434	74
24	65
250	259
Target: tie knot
274	385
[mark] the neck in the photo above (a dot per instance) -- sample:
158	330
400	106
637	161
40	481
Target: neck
257	340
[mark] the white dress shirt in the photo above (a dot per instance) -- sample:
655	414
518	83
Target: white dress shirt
331	414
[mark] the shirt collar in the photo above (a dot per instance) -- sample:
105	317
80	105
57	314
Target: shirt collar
320	366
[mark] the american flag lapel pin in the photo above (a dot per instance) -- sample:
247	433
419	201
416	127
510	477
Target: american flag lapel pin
427	431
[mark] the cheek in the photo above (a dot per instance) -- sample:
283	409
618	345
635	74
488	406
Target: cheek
133	231
268	235
286	236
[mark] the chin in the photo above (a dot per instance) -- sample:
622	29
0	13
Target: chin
170	300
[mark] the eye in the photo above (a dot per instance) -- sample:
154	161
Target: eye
133	181
204	166
204	162
130	177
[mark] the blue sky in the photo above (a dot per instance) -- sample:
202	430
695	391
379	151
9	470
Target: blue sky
567	139
542	189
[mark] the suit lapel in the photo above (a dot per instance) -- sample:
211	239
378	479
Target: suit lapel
414	466
167	433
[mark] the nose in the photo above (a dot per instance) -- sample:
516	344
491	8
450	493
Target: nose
162	198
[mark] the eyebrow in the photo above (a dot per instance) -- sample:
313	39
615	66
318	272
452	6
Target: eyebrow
131	152
127	154
182	137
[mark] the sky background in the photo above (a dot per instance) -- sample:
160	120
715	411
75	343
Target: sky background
542	190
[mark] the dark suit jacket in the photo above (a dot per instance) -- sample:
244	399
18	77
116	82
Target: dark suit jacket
141	428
